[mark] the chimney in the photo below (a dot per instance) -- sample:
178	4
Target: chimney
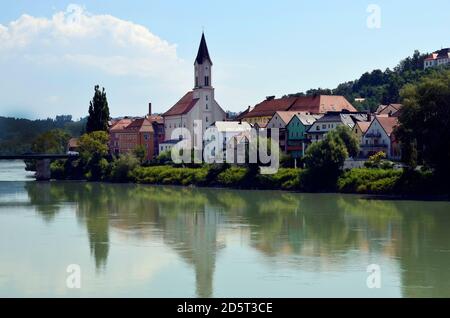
149	109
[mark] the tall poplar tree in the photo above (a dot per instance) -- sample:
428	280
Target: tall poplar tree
98	112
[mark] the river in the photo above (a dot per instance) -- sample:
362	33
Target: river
153	241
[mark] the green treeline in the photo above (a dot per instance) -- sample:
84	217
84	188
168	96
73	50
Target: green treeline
17	136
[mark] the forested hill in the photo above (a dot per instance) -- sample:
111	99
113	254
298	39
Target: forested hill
17	135
379	87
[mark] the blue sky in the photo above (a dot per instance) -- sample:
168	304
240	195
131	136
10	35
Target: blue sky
52	53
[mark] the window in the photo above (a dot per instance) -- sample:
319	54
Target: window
206	80
206	106
206	97
196	81
324	126
317	127
206	118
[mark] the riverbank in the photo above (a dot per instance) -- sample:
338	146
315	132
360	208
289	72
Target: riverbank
373	181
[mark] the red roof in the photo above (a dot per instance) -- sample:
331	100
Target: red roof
270	106
140	125
156	118
318	104
363	125
388	123
121	124
183	106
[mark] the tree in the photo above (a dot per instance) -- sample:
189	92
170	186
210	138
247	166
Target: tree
349	139
52	142
122	168
98	112
93	150
324	161
140	153
425	121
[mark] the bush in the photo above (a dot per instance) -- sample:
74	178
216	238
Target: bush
170	175
235	176
123	167
285	179
57	169
376	181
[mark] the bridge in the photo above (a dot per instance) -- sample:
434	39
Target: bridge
43	172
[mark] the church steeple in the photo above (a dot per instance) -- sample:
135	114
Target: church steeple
203	53
203	66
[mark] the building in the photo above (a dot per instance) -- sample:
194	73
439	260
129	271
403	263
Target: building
73	145
230	129
230	133
158	129
438	58
128	134
331	120
263	112
360	129
167	145
279	121
393	110
296	129
380	137
198	104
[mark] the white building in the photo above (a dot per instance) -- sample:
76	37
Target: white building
380	137
332	120
438	58
198	104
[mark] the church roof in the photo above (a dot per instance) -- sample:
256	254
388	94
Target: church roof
183	106
203	53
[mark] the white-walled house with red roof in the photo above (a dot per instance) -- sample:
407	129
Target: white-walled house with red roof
380	137
198	104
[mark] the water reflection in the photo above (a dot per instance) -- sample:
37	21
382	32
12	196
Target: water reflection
327	228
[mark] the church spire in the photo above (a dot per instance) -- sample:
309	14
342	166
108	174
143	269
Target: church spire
203	53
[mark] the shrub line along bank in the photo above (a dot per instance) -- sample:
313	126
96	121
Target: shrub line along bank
358	181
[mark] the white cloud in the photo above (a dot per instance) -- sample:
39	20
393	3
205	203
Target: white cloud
113	45
75	48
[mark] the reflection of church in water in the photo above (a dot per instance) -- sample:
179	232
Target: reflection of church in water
194	236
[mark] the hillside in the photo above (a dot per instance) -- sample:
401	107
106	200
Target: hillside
379	87
17	135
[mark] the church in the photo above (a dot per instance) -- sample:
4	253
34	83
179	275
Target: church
197	104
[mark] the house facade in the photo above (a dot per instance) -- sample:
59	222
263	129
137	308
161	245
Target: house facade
198	104
279	121
332	120
128	134
380	137
296	132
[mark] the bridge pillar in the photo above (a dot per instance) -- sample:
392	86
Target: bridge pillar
43	172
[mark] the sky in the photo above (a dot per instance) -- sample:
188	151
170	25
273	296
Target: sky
53	52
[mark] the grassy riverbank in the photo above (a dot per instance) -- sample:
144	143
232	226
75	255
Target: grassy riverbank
360	181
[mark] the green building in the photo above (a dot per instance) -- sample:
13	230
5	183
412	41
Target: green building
296	133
